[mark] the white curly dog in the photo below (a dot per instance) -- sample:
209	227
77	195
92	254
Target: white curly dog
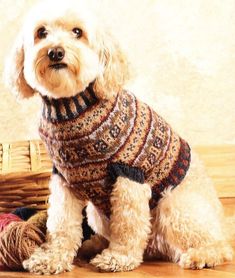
62	49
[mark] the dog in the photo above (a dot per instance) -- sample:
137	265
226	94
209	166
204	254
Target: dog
149	196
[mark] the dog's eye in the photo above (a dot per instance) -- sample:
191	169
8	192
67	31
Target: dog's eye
42	33
77	31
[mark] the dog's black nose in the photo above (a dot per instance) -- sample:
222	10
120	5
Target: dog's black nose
56	54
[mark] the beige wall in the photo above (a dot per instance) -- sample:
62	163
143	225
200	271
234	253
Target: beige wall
183	56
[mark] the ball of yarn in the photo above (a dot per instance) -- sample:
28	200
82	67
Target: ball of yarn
19	240
24	213
6	219
39	220
2	267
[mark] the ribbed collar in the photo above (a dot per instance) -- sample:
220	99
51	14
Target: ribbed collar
57	110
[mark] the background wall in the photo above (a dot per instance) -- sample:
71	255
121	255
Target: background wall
183	58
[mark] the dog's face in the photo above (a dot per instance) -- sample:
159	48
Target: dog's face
60	57
62	49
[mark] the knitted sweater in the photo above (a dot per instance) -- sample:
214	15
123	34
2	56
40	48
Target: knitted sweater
92	142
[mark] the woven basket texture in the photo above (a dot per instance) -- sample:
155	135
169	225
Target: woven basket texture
25	170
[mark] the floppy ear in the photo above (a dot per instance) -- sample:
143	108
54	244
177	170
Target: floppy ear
115	67
14	71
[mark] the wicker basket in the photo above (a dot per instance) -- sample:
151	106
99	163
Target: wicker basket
25	169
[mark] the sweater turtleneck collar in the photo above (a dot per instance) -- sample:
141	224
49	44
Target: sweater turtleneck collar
62	109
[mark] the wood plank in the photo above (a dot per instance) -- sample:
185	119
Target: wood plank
220	165
229	206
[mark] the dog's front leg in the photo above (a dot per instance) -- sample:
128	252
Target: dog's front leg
64	232
129	227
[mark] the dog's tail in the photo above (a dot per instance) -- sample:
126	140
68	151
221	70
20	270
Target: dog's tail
230	227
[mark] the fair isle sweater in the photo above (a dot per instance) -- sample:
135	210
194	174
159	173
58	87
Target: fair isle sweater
91	142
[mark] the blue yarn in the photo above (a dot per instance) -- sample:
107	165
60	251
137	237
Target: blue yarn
24	213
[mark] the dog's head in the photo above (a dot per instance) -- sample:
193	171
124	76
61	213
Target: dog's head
61	49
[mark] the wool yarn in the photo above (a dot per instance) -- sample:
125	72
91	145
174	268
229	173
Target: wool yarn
6	219
19	239
93	141
2	268
24	213
39	220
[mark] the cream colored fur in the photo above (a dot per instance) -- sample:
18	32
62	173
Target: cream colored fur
98	221
130	209
64	232
188	225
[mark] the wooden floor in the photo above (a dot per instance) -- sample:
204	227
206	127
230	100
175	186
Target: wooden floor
146	270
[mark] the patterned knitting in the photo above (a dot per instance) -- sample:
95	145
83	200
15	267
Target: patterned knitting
92	142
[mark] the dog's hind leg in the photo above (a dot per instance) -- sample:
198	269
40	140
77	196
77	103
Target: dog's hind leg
64	232
129	227
190	229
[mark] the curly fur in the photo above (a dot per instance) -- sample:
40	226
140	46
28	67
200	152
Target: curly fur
188	226
64	232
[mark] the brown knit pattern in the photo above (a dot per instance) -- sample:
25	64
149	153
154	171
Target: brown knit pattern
85	135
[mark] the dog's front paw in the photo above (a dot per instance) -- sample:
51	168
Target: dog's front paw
49	261
110	260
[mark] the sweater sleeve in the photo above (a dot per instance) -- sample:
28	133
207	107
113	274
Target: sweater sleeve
117	169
